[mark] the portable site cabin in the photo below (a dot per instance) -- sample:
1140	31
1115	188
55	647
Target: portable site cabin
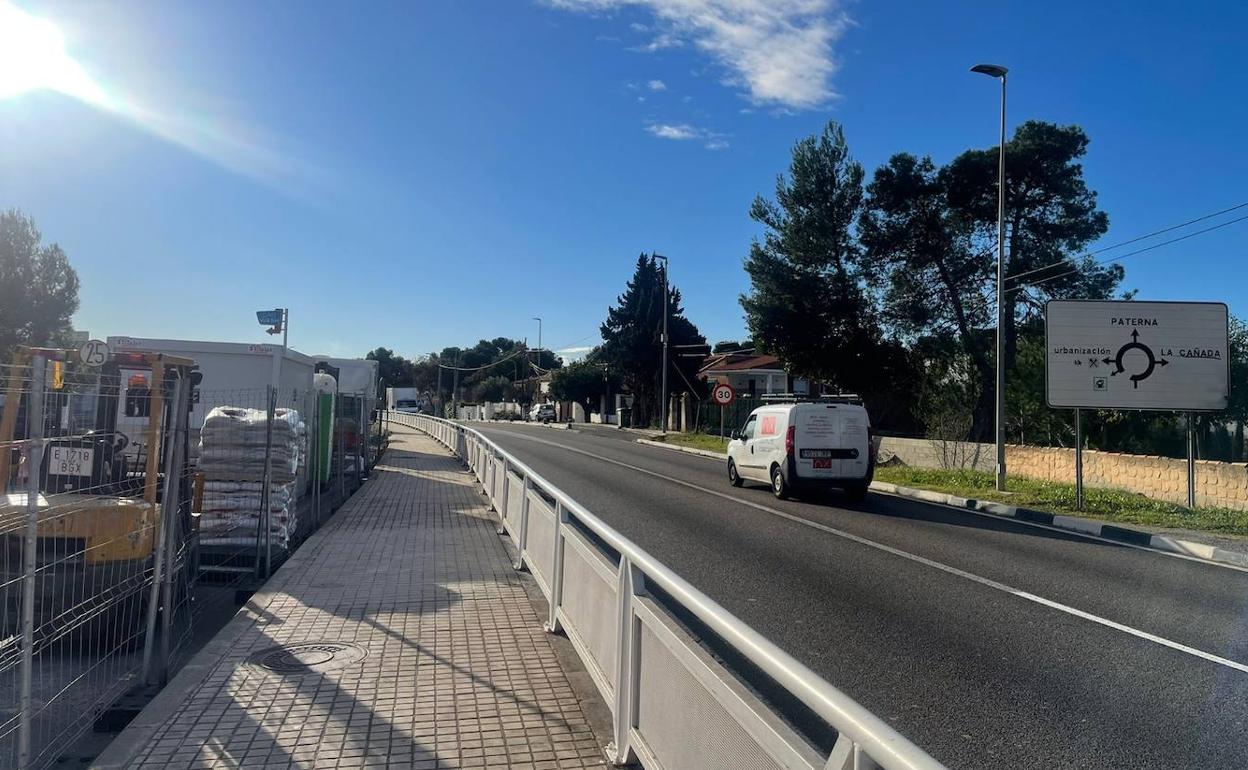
356	397
234	373
355	375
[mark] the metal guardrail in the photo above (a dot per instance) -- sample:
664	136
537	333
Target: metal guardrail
673	704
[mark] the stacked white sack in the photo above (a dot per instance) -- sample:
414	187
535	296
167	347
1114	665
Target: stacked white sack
232	456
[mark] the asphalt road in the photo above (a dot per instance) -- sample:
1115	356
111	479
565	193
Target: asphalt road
989	643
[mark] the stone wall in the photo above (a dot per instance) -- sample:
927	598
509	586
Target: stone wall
1162	478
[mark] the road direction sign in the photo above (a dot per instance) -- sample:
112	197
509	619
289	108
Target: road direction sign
1136	355
93	353
269	317
723	394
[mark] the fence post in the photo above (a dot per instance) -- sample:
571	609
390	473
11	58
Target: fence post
263	550
315	443
556	575
155	424
34	464
340	435
361	451
627	662
171	504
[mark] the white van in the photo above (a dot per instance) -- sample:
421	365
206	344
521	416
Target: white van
792	445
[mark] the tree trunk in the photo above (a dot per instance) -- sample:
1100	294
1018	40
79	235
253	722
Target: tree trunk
983	418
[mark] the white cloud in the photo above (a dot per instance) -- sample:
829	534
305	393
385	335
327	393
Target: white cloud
656	85
638	27
677	131
659	43
641	99
780	52
683	132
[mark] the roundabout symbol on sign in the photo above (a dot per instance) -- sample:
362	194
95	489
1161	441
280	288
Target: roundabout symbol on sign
1135	344
723	394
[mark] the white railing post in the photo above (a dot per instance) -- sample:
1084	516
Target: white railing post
556	576
523	539
627	663
503	494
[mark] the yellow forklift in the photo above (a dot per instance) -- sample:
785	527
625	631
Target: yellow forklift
100	491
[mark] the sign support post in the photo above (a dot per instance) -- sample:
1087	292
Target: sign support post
722	394
1191	460
1078	459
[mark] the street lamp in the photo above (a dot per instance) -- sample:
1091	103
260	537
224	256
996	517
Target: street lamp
538	390
663	388
997	71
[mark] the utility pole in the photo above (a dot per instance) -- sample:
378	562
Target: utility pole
663	387
537	389
455	389
997	71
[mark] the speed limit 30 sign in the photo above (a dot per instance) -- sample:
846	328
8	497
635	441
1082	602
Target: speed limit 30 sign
723	394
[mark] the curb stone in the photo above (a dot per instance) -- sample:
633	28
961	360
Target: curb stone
686	449
1136	537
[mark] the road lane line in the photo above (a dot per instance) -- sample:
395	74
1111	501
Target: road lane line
987	582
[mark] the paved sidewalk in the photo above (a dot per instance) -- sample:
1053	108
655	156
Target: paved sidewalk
422	649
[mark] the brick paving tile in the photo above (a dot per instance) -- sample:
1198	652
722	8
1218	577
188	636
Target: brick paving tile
458	672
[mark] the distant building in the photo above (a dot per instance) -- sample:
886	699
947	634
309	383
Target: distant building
751	374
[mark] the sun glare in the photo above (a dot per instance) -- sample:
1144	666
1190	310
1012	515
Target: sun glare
33	58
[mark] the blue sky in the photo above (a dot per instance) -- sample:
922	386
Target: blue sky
418	174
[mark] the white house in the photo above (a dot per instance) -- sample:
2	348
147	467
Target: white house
750	374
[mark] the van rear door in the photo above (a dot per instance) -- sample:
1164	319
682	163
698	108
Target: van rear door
830	441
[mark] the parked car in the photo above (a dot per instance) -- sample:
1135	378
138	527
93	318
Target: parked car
542	413
798	445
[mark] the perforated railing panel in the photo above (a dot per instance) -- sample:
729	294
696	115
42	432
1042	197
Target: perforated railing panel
541	546
682	724
589	606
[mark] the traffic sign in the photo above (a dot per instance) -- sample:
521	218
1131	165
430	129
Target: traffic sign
269	317
1137	355
723	394
94	353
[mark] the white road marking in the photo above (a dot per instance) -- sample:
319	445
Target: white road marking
988	582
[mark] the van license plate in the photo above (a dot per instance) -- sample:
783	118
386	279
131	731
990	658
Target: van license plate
812	453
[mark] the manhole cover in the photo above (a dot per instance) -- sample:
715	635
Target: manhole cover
308	657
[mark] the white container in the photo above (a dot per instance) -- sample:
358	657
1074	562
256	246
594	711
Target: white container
240	369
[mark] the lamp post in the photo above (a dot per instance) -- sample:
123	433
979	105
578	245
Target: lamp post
663	387
999	72
537	391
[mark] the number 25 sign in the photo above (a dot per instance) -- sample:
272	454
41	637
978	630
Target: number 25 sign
723	394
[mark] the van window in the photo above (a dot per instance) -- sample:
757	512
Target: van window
747	431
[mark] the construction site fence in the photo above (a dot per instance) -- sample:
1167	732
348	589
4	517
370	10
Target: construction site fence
116	544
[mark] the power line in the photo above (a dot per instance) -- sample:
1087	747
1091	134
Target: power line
1137	239
1121	257
479	368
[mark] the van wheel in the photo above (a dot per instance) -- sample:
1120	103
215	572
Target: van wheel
779	487
734	478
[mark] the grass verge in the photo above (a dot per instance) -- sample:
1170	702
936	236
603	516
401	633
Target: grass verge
695	440
1108	504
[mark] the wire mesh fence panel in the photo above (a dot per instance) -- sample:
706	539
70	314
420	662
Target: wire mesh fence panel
712	418
134	503
88	459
